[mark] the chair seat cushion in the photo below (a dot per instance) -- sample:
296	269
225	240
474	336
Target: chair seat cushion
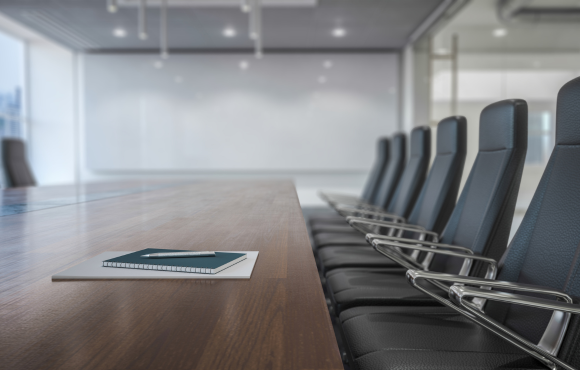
326	239
335	229
351	287
363	256
324	218
425	338
329	222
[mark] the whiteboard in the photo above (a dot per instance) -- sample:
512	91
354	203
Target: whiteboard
205	113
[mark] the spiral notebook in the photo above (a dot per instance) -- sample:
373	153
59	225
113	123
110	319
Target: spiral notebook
200	265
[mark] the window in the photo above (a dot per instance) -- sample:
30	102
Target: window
540	138
11	82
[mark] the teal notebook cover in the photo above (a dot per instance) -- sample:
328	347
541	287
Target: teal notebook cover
201	265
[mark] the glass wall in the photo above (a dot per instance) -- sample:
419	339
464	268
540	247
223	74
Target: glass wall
500	54
12	121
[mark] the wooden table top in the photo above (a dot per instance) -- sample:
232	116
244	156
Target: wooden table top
275	320
19	200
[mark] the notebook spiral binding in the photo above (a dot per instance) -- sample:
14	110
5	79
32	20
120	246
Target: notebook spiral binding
144	266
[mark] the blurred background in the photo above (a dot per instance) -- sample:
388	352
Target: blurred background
104	90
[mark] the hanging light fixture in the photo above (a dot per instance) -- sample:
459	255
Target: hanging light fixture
112	6
245	6
258	29
142	20
253	19
164	50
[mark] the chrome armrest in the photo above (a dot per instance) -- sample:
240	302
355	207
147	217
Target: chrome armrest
348	211
358	206
335	199
466	254
357	221
426	261
334	203
552	338
459	294
414	275
372	237
546	349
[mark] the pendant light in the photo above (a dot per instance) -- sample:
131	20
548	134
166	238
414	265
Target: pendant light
163	31
142	20
112	6
258	29
245	6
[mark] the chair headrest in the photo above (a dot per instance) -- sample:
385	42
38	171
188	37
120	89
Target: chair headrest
13	148
398	144
383	145
420	141
452	135
503	124
568	114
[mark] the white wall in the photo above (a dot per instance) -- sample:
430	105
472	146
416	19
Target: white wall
52	113
49	102
274	116
201	116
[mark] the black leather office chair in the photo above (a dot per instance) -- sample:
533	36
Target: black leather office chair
370	190
481	220
407	190
372	185
391	177
16	168
543	261
436	200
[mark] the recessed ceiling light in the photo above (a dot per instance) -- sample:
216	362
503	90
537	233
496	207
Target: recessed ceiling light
500	32
327	64
112	6
322	79
244	65
229	32
158	64
339	32
119	32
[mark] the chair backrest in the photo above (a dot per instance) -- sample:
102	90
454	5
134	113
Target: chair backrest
414	174
392	175
16	167
483	215
377	172
439	193
545	250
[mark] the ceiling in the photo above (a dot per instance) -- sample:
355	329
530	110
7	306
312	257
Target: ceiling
86	25
476	22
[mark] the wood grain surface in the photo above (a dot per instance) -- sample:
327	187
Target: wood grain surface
27	199
276	320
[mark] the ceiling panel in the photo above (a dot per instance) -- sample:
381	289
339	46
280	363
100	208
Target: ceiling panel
86	24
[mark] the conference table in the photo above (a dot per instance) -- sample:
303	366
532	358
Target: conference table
277	319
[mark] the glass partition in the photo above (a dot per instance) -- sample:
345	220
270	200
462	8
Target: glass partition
11	87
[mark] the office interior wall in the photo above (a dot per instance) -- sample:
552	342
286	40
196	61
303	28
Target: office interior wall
52	112
201	116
